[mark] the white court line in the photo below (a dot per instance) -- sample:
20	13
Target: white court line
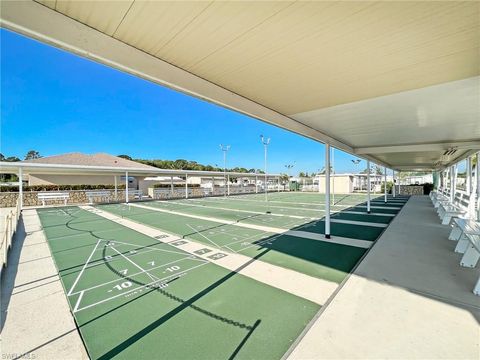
238	210
248	226
141	287
379	207
188	257
203	236
334	239
361	223
364	213
135	264
288	202
78	301
83	268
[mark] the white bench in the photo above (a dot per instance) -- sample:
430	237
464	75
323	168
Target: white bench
441	198
43	197
137	194
467	233
102	195
459	208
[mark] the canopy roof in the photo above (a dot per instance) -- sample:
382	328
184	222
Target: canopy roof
395	82
66	169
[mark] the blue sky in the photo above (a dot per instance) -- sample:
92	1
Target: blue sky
55	102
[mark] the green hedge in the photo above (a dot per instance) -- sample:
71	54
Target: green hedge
164	186
59	187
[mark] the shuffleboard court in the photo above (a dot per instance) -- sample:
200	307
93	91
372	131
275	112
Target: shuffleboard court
316	258
134	296
196	219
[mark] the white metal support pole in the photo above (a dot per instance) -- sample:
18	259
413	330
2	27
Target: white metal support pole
256	184
452	183
477	179
393	187
333	179
213	185
399	183
228	185
469	176
327	191
368	186
126	187
385	183
116	187
186	186
171	186
278	184
20	188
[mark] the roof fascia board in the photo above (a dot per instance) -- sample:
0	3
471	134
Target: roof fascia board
46	25
417	147
37	168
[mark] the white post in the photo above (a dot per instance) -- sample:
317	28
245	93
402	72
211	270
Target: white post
393	179
469	176
399	183
278	184
228	184
116	187
333	179
327	191
368	186
256	184
385	183
213	185
126	187
452	183
20	188
171	186
477	179
186	186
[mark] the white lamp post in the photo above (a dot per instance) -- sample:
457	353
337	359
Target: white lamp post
224	149
265	142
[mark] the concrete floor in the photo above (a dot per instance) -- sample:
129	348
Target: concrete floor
408	299
35	318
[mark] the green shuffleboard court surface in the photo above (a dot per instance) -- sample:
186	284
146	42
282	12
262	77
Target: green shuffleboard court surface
320	259
133	296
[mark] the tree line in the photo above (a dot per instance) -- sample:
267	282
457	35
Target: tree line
182	164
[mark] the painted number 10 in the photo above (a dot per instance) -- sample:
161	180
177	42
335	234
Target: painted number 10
123	285
173	268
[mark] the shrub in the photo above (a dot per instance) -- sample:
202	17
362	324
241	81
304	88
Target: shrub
59	187
164	186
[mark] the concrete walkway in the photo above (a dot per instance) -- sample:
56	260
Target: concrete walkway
408	299
35	316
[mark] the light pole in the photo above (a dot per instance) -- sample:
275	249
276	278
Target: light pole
224	149
289	166
356	162
265	142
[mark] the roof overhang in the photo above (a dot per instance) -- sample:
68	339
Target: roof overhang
38	168
403	112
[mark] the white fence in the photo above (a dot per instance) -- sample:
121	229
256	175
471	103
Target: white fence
11	221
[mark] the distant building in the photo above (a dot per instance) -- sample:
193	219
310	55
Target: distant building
100	159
